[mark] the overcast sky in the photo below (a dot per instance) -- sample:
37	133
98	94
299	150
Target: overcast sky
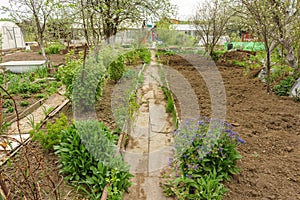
186	7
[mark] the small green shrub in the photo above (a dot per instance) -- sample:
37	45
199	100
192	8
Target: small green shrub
24	103
7	103
164	52
116	69
40	96
238	63
25	96
216	55
145	55
88	160
34	88
53	132
53	49
10	109
205	155
284	86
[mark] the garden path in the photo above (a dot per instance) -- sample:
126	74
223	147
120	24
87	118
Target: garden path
151	142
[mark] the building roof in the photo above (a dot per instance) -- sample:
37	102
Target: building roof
183	27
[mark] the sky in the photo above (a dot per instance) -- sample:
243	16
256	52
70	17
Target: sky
186	7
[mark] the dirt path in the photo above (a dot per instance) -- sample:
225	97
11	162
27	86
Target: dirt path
269	124
151	142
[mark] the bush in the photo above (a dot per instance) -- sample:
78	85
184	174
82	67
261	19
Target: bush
116	69
53	49
53	132
284	86
87	156
205	155
144	55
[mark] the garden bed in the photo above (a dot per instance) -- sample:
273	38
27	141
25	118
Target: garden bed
269	124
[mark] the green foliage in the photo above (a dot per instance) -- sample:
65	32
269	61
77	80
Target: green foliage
68	72
284	86
116	69
133	105
133	57
216	55
205	155
10	109
7	103
164	52
170	107
239	63
278	72
89	162
53	49
53	132
200	187
127	106
25	96
83	85
39	96
24	103
144	55
175	38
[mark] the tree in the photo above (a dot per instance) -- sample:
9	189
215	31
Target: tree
210	20
257	15
285	14
273	22
106	17
38	11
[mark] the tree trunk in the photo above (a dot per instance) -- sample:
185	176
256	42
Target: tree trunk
290	56
268	66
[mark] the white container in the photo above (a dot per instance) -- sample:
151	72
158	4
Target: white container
23	66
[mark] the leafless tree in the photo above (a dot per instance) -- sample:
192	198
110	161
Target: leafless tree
210	20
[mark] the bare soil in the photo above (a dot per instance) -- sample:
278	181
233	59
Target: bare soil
55	59
269	124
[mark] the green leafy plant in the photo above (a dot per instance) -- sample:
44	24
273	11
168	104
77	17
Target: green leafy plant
67	73
170	107
284	86
10	109
53	49
216	55
24	103
7	103
39	96
116	69
53	132
239	63
205	155
25	96
89	162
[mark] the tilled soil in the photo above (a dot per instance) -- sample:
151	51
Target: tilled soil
269	124
55	59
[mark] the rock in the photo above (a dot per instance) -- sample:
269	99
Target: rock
254	193
235	124
289	149
271	197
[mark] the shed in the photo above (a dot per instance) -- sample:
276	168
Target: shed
12	36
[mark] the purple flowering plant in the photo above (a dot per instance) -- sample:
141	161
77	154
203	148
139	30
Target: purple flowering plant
204	149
